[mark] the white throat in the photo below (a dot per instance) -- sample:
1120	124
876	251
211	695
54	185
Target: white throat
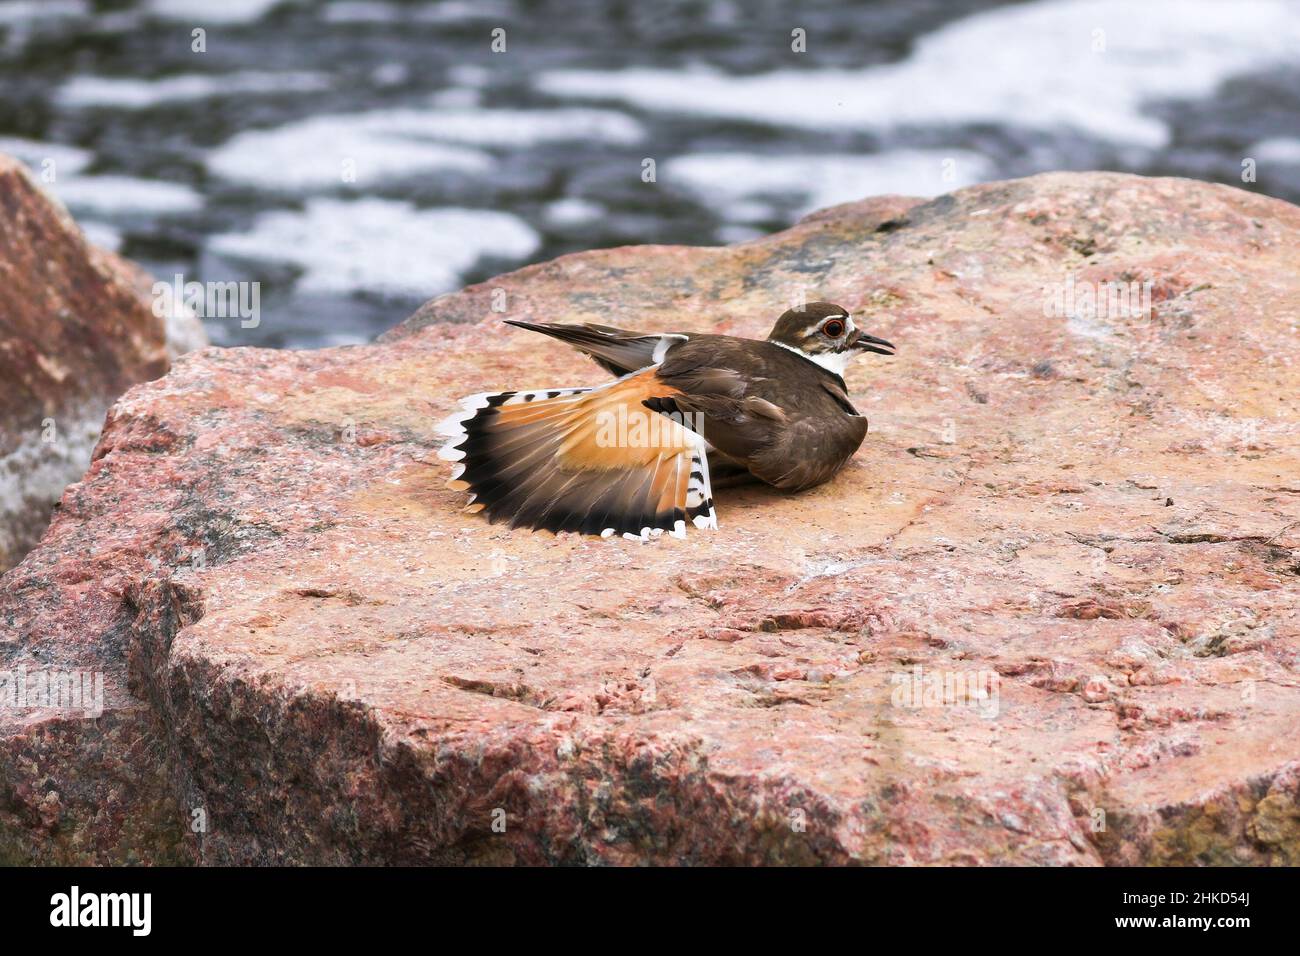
835	362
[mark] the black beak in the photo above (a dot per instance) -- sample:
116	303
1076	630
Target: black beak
869	343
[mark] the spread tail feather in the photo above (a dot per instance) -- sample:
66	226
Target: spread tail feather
594	460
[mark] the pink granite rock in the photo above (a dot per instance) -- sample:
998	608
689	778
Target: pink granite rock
1048	614
76	330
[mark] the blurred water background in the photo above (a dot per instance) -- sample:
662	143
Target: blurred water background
359	157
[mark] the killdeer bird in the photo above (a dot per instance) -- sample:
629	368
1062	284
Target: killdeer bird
632	456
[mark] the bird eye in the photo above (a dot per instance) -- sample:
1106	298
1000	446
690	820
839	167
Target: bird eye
834	328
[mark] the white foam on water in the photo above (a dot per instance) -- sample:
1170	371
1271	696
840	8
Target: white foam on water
334	339
64	160
382	144
203	12
1278	149
745	210
380	245
124	195
469	75
311	154
572	211
457	98
730	235
102	235
732	182
456	11
34	472
124	93
390	74
366	11
515	128
346	11
1032	65
23	12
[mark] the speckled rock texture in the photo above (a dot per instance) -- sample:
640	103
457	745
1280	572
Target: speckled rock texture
1048	614
76	330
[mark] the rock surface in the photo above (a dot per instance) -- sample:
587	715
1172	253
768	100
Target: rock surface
76	330
1085	527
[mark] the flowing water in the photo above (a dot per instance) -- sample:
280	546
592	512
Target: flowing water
357	158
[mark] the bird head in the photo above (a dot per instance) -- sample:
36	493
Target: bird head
825	333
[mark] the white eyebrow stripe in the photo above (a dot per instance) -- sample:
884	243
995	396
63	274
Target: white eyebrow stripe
847	319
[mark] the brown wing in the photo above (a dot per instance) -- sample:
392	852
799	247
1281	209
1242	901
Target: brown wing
787	420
